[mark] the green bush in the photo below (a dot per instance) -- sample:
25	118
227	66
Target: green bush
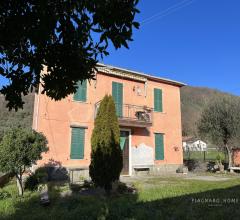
31	183
19	149
219	158
4	195
106	157
39	177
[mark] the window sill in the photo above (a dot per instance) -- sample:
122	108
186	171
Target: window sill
160	112
84	102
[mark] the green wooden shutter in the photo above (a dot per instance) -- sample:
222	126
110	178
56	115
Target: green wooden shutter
158	100
159	147
117	93
77	143
81	94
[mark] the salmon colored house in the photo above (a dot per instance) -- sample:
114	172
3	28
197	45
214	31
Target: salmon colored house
149	113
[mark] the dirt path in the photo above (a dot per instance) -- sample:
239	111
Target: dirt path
189	176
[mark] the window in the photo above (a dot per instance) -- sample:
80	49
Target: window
81	93
158	100
77	143
159	146
117	93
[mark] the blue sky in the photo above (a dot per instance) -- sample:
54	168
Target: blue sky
193	41
196	42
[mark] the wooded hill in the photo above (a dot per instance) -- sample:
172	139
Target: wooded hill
22	117
194	100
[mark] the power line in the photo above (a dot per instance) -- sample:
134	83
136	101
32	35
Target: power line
167	11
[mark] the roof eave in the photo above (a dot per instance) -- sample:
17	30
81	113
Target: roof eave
150	77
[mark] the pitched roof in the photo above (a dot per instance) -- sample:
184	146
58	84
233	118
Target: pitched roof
112	70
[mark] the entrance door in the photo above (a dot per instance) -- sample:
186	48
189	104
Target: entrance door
124	144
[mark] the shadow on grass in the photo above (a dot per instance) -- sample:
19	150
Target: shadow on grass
214	204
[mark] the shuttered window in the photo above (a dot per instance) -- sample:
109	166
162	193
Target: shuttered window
158	100
159	146
117	93
81	93
77	143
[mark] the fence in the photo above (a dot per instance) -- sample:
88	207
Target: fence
209	155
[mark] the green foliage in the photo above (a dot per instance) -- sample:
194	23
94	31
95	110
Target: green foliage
67	37
4	195
20	148
31	183
106	157
220	122
39	177
22	118
193	101
219	158
156	198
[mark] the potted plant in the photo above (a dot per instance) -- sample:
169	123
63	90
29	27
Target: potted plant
219	159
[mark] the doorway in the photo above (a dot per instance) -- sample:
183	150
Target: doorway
125	147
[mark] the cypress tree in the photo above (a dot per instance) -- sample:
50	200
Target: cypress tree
106	156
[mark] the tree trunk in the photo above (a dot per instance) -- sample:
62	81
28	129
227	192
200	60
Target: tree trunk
19	185
229	156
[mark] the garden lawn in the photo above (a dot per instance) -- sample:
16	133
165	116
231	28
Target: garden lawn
157	198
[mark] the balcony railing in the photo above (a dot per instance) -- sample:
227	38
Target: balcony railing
132	115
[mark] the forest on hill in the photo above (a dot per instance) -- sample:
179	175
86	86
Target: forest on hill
194	100
23	117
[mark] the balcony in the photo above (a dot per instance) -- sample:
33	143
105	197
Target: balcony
132	115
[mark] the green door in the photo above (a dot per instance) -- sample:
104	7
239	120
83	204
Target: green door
124	144
117	93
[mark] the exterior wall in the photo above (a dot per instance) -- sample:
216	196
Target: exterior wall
54	119
236	157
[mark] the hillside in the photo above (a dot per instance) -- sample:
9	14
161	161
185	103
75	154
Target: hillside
194	100
22	117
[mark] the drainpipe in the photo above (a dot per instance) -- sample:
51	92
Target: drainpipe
37	111
145	88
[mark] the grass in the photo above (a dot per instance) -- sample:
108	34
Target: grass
157	198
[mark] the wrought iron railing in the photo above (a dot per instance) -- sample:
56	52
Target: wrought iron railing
131	112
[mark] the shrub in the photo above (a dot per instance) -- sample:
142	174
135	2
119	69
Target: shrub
219	158
106	157
19	149
41	174
4	195
39	177
31	183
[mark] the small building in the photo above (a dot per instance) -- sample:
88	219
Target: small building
149	114
236	157
194	144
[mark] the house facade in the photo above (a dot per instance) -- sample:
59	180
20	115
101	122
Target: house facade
149	113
